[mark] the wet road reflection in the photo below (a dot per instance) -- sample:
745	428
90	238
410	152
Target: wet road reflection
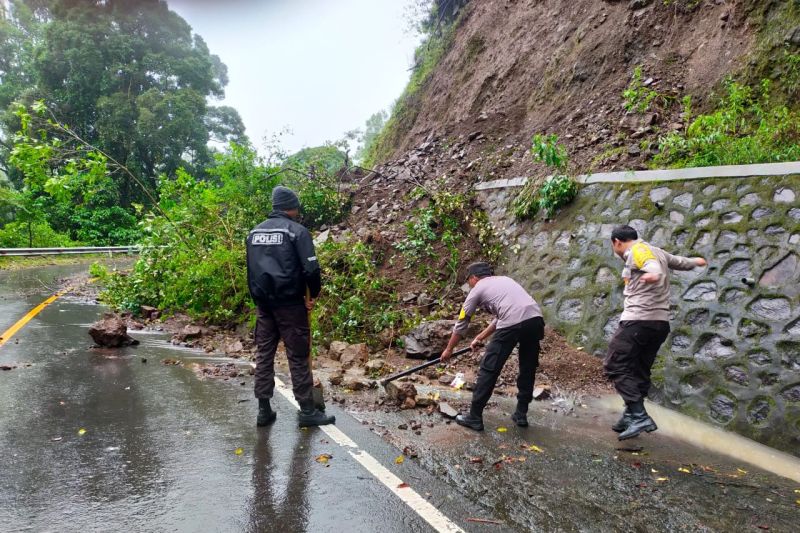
279	496
158	451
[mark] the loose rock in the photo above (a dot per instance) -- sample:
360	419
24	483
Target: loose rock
111	332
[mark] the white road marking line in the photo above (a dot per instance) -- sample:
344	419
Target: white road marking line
409	496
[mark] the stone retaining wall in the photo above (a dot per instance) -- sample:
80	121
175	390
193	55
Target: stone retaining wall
733	357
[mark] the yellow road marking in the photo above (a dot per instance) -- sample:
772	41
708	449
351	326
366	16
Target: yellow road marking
7	334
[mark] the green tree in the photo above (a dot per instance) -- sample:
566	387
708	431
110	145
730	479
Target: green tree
127	77
373	127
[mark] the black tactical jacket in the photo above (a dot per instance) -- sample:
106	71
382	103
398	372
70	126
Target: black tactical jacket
281	262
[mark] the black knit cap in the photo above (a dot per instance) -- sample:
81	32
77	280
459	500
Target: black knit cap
284	199
480	270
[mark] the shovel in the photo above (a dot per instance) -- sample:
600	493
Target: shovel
423	366
317	393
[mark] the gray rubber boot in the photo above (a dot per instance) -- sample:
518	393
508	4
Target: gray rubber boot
640	421
624	421
311	416
471	420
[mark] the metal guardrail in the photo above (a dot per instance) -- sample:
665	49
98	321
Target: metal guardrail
26	252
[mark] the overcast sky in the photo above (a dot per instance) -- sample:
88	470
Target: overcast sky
318	67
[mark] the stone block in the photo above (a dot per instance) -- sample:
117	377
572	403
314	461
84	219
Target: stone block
749	199
737	375
761	212
705	291
786	271
732	218
684	200
759	357
660	194
714	347
784	196
570	310
722	407
759	410
771	308
737	269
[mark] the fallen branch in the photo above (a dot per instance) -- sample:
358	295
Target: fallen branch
486	521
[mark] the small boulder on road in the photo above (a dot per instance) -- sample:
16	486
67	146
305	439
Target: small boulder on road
111	332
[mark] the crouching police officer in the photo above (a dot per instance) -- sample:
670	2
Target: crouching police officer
282	268
518	322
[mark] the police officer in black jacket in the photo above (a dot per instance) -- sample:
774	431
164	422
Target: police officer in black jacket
282	268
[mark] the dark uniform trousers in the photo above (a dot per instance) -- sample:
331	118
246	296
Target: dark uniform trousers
527	335
631	354
290	324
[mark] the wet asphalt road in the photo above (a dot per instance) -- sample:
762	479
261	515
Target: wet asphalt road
158	452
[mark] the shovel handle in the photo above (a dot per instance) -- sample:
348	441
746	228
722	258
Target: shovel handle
423	366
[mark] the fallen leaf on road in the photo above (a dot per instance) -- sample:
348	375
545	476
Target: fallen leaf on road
476	460
81	431
684	470
502	429
56	439
797	491
741	471
324	458
661	479
535	448
399	460
797	502
653	470
410	452
403	486
522	458
765	528
239	451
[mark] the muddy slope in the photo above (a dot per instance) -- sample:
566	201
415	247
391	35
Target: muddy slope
517	67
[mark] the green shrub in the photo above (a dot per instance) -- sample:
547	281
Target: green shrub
747	127
193	257
356	302
557	191
641	98
439	222
36	234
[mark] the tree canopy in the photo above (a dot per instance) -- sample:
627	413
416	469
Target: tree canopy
127	77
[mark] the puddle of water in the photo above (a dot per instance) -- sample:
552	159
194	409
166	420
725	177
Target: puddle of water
697	433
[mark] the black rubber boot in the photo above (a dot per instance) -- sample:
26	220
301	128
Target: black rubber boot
640	421
311	416
624	421
470	421
266	415
520	416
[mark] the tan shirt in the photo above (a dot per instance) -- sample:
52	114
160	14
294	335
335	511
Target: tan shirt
649	301
502	297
